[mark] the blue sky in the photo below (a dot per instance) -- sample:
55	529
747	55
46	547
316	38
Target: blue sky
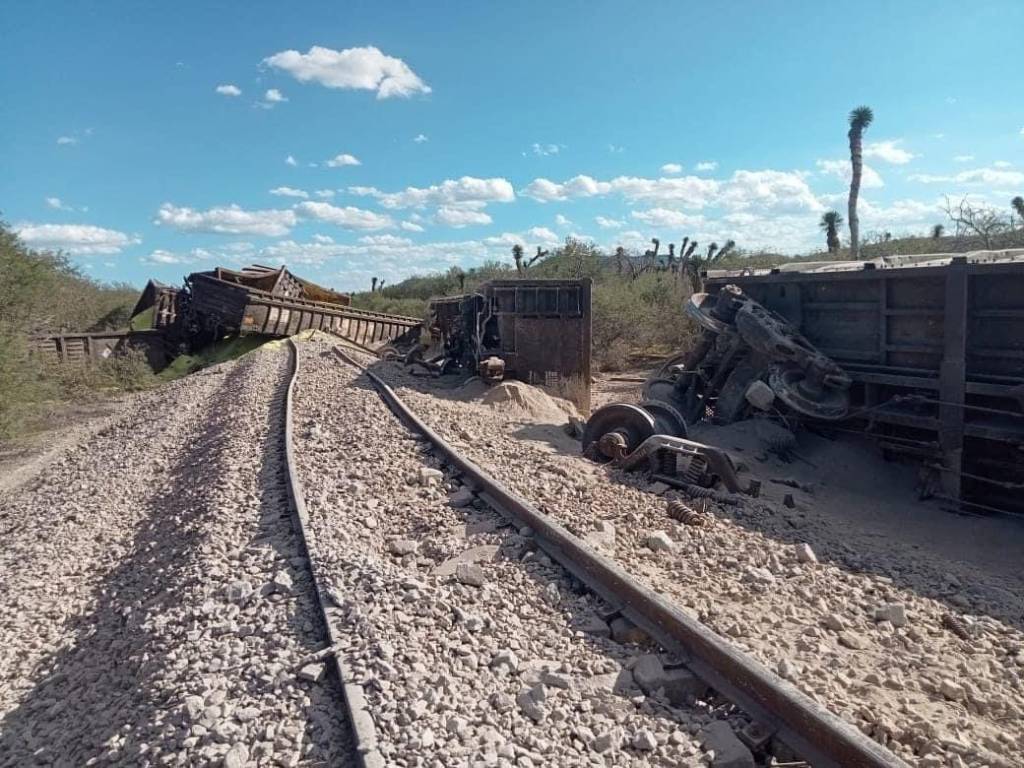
359	139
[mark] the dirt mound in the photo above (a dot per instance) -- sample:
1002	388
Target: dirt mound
530	401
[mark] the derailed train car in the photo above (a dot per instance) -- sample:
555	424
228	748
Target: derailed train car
267	301
934	348
538	331
274	302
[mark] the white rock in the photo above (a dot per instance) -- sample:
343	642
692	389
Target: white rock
659	541
311	673
530	707
430	476
505	659
282	582
644	741
894	613
805	554
470	574
403	547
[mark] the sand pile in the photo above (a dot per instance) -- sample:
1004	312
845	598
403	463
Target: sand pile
529	401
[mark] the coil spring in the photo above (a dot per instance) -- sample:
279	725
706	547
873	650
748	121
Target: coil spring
955	625
685	515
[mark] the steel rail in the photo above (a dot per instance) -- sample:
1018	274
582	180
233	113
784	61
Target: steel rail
815	733
354	703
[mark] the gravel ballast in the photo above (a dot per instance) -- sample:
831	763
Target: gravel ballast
916	651
468	643
155	609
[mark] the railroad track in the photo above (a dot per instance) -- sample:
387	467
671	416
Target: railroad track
814	733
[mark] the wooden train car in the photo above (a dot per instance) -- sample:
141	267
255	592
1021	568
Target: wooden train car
223	302
86	348
935	347
158	307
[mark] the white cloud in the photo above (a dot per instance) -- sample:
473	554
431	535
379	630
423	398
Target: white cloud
780	190
160	256
671	168
274	96
544	190
323	239
543	234
74	238
889	152
543	150
994	177
562	221
706	165
963	158
353	68
467	190
227	220
347	217
325	193
461	216
904	213
616	149
606	223
339	161
289	192
411	226
384	240
420	138
57	204
1002	164
291	161
663	217
841	170
224	90
66	140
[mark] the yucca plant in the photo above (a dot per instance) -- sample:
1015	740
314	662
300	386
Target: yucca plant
830	223
860	119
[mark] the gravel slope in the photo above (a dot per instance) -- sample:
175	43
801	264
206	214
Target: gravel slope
480	666
936	699
153	607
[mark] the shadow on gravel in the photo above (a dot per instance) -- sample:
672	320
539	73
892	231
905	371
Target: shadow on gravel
106	688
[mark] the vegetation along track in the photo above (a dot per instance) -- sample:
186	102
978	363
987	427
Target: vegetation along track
802	724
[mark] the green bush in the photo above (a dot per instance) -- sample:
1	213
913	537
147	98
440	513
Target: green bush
43	293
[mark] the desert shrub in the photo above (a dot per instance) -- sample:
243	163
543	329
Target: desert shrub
128	371
41	292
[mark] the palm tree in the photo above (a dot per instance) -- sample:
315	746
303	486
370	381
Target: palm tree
831	221
1018	206
937	231
860	119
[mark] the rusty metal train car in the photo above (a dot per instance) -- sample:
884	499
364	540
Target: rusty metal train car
540	330
276	303
269	301
935	348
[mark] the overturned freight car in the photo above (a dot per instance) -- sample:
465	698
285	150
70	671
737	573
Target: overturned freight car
934	348
274	302
537	331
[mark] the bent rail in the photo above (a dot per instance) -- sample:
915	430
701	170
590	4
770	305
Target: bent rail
818	735
358	716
